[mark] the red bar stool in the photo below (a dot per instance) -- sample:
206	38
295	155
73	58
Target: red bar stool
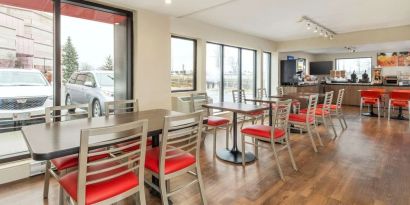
307	121
178	154
109	180
400	99
213	122
336	109
371	98
277	133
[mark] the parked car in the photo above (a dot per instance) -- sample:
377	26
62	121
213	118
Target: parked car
23	93
95	87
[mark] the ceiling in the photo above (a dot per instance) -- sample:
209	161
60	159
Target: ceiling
397	46
278	19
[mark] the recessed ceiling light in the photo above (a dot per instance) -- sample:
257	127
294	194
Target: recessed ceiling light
168	1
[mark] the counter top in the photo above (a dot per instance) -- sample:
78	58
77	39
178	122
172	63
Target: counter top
349	84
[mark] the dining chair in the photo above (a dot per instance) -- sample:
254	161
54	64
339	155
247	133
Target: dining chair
213	122
307	121
239	96
295	103
323	113
123	106
178	154
108	180
278	132
399	99
261	93
336	109
63	164
370	97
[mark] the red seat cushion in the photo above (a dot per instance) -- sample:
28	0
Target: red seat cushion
295	102
172	164
370	101
333	107
299	118
262	131
318	111
216	121
400	103
132	148
256	113
103	190
72	160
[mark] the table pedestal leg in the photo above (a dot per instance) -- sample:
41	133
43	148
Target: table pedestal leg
400	116
371	113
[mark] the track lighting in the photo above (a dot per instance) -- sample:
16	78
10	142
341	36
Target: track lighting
323	31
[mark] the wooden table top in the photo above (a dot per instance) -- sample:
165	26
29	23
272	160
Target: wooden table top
235	107
263	99
53	140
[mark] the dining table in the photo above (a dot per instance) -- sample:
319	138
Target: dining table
48	141
234	155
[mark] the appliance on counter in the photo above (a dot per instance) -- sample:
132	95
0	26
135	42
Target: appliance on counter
321	67
288	72
365	78
390	80
404	80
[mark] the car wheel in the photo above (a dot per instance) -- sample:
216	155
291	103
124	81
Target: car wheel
96	108
69	102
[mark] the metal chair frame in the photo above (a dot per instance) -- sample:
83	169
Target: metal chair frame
295	107
390	107
121	106
327	108
239	96
338	113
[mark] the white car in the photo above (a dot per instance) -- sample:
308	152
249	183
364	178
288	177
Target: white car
23	92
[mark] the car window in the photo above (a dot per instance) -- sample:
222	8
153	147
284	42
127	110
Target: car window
80	79
90	78
72	79
18	78
105	79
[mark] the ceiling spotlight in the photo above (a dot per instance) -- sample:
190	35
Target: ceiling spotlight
315	30
321	32
308	26
168	1
326	34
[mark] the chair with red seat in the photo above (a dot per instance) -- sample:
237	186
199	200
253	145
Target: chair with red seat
213	122
400	99
370	97
108	180
239	96
336	109
324	113
278	132
307	121
295	103
63	164
178	154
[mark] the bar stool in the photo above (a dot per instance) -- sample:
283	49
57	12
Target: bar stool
178	154
295	103
277	133
109	180
308	121
336	109
400	99
370	97
213	122
63	164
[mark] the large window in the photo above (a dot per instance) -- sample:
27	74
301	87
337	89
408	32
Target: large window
183	64
357	65
92	62
229	68
267	62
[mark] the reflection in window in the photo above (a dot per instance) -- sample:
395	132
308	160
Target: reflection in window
357	65
183	64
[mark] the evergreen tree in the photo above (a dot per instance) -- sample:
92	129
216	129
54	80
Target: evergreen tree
108	63
70	59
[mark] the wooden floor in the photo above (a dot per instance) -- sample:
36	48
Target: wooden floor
368	164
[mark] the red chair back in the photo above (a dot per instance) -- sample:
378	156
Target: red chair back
370	94
400	95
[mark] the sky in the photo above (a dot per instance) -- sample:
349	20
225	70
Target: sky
93	40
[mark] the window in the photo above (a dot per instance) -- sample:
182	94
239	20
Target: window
267	71
27	54
183	64
229	68
357	65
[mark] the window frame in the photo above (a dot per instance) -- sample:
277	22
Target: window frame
269	88
358	77
222	96
195	66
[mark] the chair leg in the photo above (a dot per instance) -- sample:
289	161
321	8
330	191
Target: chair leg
243	150
325	124
343	117
256	148
378	109
292	159
361	107
317	134
339	117
333	126
388	111
201	185
275	154
163	188
214	142
46	180
311	137
61	196
141	193
227	136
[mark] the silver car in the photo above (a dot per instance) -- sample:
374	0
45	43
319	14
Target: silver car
95	87
23	93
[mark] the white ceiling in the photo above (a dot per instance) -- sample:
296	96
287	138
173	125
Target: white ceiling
377	47
278	19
